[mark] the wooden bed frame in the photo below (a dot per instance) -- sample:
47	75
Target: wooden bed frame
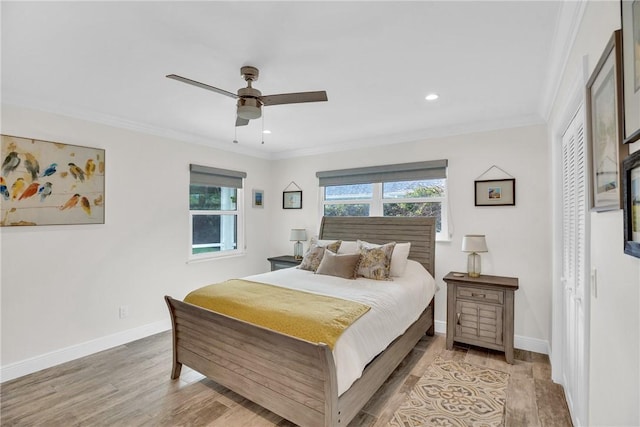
293	378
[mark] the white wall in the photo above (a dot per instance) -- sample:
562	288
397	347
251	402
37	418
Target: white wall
614	370
518	237
62	285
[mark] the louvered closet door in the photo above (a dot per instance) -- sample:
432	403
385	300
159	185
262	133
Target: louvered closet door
574	262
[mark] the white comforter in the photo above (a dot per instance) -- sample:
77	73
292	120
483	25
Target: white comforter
395	305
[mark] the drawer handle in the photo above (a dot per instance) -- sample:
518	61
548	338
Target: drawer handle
458	318
473	294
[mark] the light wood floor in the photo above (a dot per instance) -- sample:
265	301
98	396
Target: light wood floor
130	386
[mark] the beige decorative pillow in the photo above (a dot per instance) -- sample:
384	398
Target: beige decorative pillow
312	258
375	260
344	266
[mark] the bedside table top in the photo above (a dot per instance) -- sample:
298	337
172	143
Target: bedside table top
484	279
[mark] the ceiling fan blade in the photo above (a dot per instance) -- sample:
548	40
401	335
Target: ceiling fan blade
294	98
241	122
202	85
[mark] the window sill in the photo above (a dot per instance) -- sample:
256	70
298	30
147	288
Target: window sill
216	257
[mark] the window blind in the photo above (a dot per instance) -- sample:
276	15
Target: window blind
432	169
216	177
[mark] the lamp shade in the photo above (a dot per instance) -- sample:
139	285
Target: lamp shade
474	243
298	234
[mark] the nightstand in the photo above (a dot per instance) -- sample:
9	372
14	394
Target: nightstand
480	311
284	261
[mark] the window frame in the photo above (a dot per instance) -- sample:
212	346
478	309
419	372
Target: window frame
376	204
239	214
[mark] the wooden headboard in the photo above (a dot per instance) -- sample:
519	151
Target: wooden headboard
420	231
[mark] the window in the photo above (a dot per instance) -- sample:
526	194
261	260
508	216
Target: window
410	189
215	211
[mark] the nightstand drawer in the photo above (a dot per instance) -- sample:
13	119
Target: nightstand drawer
481	295
275	265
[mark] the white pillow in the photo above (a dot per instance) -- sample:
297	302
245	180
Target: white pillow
399	258
348	247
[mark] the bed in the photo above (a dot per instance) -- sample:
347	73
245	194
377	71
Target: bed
293	378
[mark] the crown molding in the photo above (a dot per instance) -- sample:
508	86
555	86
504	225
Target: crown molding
566	31
365	142
122	123
416	136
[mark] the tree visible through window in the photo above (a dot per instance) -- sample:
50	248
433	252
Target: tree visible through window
431	195
398	198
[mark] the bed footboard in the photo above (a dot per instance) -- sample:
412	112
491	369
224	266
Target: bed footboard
293	378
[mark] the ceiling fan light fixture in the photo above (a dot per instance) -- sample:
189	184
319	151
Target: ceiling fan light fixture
249	109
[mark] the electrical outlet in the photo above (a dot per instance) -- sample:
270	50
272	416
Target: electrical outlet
124	311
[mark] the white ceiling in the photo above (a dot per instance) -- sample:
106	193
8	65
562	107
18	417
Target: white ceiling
107	61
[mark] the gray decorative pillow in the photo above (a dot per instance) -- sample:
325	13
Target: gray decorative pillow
344	265
312	258
375	260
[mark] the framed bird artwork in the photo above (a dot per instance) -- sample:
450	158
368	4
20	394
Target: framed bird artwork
50	183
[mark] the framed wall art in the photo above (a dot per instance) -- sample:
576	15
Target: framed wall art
495	192
292	200
258	199
631	204
630	18
50	183
604	125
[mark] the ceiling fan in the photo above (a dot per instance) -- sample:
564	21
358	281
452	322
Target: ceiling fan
250	100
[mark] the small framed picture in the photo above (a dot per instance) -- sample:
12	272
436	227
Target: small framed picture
495	192
631	202
292	200
258	199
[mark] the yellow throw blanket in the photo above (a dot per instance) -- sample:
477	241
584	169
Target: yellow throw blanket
312	317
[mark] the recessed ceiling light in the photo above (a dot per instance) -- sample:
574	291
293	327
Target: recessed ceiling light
266	131
431	97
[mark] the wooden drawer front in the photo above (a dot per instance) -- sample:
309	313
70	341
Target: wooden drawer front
483	295
482	322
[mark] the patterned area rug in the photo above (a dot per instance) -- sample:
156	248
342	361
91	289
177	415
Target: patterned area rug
454	394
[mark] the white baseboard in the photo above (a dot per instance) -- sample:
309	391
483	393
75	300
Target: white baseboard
531	344
34	364
524	343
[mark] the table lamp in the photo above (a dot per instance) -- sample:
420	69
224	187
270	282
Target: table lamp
298	234
474	243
